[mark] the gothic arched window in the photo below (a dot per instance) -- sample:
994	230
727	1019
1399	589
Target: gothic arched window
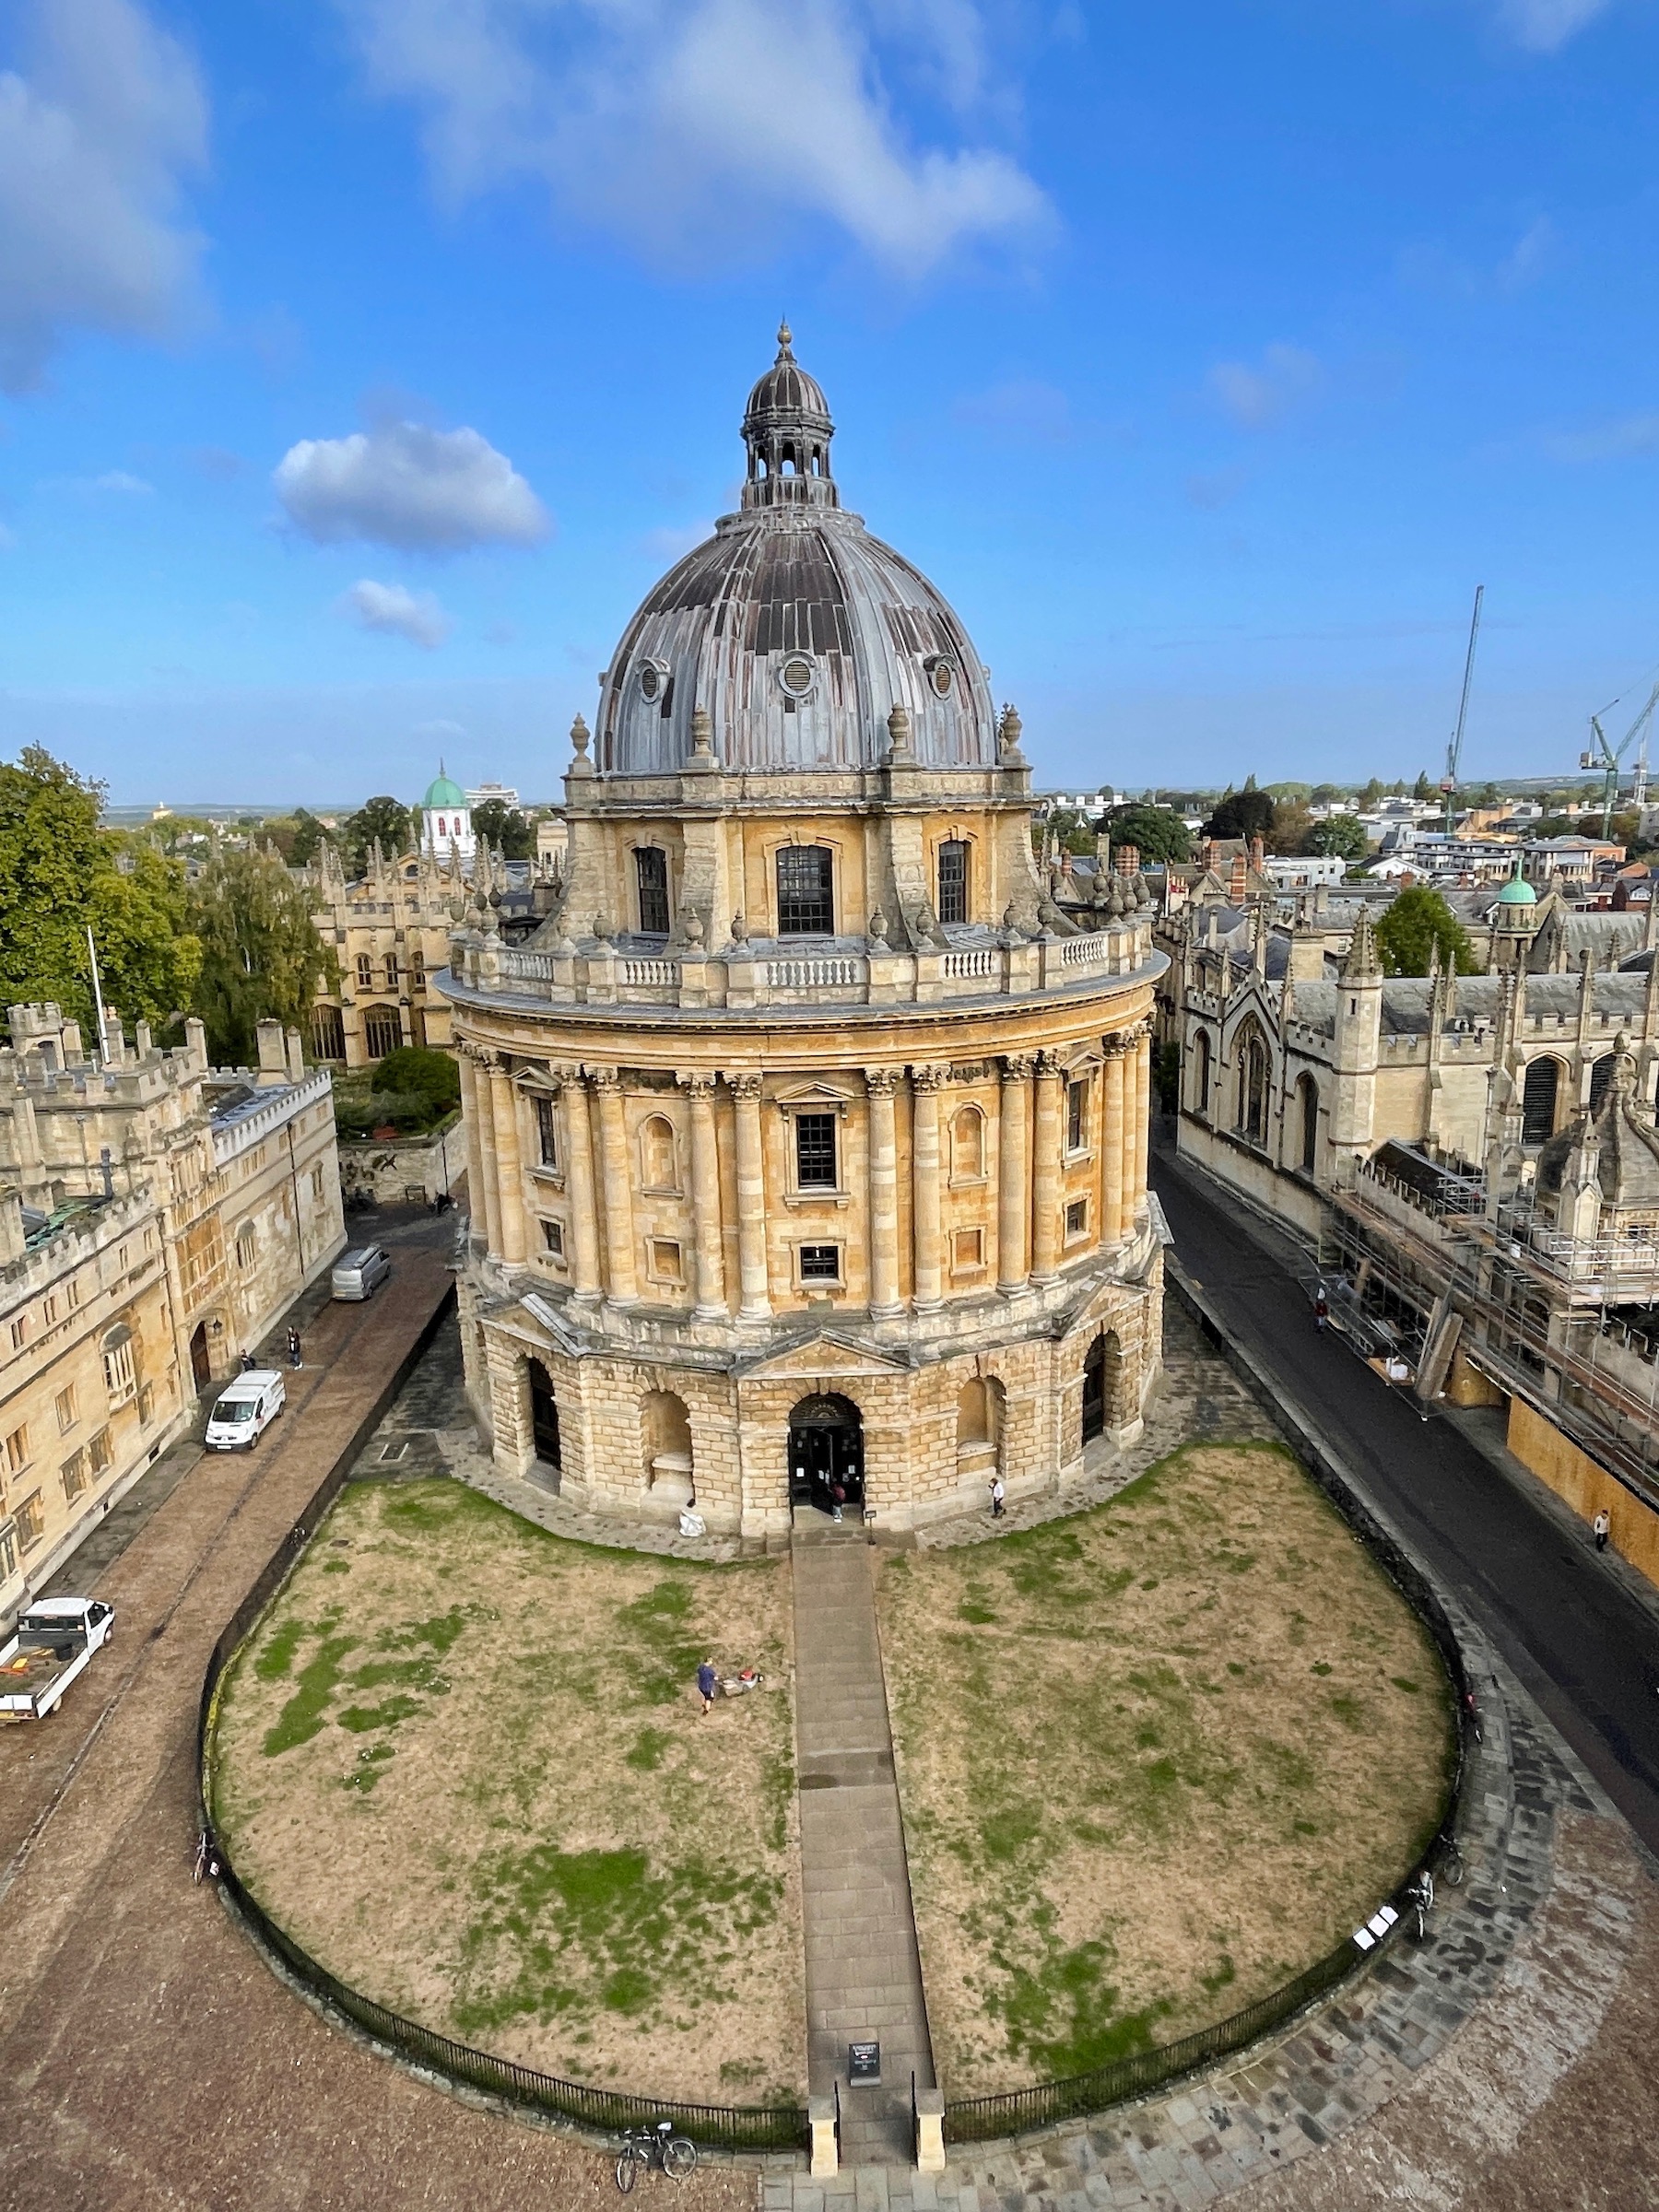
1538	1100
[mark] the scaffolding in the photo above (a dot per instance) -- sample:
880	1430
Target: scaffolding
1572	1328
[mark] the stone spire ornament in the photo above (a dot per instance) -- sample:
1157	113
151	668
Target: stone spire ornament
900	753
702	740
1008	738
580	738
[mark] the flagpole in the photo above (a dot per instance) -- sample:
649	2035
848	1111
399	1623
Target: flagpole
96	996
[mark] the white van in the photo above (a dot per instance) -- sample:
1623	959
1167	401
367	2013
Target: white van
246	1409
358	1274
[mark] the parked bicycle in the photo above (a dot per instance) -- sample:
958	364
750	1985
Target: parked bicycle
644	2148
1451	1866
207	1867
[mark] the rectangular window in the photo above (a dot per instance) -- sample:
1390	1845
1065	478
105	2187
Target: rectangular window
968	1251
73	1475
16	1451
20	1332
147	1406
66	1410
1076	1115
665	1259
553	1238
651	871
31	1521
98	1451
953	881
806	892
1077	1217
317	1184
246	1244
821	1263
8	1552
365	971
49	1311
119	1378
546	1133
814	1151
391	971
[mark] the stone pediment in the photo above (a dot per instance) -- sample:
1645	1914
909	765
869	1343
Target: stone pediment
827	1352
805	1096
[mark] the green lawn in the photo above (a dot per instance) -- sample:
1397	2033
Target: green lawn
1155	1758
462	1763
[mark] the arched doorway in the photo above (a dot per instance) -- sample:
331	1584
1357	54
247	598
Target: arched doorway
1102	1384
665	1442
544	1416
201	1365
826	1452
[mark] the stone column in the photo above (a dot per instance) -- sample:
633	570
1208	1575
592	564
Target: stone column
925	1085
1013	1177
510	1181
477	1204
1113	1119
1143	1121
1045	1174
706	1231
751	1201
490	1197
621	1275
885	1300
580	1187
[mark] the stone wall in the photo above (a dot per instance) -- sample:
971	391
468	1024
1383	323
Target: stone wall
405	1171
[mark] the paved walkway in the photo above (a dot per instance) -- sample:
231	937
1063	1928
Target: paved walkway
863	1972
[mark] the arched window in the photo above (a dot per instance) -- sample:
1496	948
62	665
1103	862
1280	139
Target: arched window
1538	1100
1251	1117
651	869
967	1145
657	1154
952	904
1200	1080
382	1031
1601	1075
789	460
665	1443
806	891
1307	1098
328	1034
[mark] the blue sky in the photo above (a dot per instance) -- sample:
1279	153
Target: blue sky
361	361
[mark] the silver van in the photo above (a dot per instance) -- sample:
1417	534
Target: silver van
358	1274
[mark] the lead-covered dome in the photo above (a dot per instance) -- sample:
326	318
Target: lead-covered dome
797	630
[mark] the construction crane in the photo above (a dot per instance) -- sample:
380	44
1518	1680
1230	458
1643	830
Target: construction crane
1607	757
1454	749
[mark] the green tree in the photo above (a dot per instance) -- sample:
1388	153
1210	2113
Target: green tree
61	875
383	820
1325	795
505	828
1423	788
1247	813
1343	833
261	955
1370	793
1414	922
1157	833
420	1070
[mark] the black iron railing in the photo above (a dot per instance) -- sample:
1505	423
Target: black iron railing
725	2128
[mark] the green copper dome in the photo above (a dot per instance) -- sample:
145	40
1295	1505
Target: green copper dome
1517	891
443	791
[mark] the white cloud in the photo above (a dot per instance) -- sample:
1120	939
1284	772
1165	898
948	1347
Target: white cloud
125	486
404	484
102	116
1257	397
1545	25
396	611
1627	436
691	127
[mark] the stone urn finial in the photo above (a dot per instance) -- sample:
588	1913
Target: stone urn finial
603	928
702	739
1008	738
878	929
739	930
693	928
900	753
580	737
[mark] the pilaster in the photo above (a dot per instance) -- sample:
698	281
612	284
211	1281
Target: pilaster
1013	1173
925	1086
884	1301
708	1235
751	1201
621	1275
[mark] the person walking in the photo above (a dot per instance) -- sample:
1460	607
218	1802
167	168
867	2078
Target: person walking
1603	1528
997	1495
708	1681
1322	1309
294	1344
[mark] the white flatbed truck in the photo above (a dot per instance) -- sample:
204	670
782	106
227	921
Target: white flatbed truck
52	1643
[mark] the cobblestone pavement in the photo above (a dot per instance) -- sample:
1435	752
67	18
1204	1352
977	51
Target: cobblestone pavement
152	2061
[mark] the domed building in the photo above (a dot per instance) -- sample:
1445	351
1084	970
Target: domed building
446	819
807	1140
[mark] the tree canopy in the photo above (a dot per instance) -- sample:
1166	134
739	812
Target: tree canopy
509	830
1247	813
383	820
60	875
1413	924
1157	833
1341	833
261	957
